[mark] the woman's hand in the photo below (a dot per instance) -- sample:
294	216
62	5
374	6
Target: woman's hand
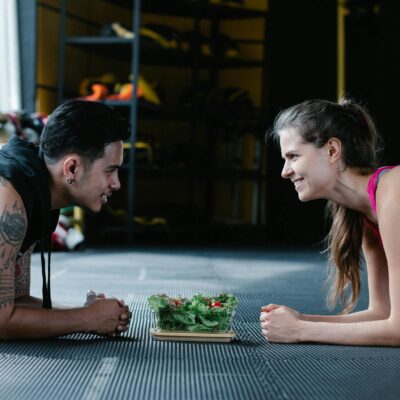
280	324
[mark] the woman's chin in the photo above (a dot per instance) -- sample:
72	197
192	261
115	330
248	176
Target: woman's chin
303	197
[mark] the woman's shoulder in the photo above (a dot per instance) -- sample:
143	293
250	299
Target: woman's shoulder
388	205
389	184
390	175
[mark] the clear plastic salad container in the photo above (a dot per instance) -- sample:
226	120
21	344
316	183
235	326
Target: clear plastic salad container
211	314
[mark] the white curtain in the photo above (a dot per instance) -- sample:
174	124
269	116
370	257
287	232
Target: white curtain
10	80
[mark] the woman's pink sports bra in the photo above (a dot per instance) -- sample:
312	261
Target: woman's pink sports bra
371	189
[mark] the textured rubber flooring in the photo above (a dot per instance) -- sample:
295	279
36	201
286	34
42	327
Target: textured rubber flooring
138	367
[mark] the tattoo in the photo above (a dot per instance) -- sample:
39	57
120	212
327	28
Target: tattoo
3	181
7	292
23	274
12	231
13	225
7	279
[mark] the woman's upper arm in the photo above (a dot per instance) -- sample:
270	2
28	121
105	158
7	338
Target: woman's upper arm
388	211
378	283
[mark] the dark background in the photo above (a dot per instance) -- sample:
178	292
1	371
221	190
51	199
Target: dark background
302	44
301	59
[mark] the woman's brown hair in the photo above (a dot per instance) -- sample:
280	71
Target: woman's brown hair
317	121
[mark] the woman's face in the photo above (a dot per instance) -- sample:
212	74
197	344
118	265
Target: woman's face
308	167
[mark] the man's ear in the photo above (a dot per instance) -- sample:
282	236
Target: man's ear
72	164
334	147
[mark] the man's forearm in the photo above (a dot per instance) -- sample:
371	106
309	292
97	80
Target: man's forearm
35	302
28	301
39	323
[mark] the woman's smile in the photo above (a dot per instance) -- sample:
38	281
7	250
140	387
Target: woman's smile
298	183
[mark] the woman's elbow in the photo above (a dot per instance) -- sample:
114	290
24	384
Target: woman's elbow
394	339
393	331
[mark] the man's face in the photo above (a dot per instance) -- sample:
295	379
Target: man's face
100	179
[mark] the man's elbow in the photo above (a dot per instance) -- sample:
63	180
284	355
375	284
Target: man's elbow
5	322
4	331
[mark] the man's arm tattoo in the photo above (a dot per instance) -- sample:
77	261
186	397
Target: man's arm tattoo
23	277
12	225
12	232
7	287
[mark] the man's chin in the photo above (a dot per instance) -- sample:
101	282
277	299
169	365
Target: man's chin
92	208
97	209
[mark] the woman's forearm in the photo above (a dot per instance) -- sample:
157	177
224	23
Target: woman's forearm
361	316
379	333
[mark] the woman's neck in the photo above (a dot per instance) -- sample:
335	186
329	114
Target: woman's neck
350	190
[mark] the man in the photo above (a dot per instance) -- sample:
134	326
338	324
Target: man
81	150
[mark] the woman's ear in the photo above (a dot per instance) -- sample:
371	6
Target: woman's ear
334	147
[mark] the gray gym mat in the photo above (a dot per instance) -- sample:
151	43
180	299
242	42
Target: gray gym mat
137	367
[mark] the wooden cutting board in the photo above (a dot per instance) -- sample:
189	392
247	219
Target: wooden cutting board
181	336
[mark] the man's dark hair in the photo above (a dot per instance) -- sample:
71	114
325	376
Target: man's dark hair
82	127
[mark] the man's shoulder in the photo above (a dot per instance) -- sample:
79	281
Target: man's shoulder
13	218
8	193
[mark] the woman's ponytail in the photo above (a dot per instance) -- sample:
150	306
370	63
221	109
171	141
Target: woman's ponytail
344	245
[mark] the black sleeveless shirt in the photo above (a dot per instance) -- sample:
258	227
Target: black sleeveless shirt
23	166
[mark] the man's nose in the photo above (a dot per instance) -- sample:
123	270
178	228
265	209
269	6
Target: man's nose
115	183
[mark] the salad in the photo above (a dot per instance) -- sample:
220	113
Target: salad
198	314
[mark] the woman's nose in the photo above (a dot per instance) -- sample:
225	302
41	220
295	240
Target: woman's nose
287	171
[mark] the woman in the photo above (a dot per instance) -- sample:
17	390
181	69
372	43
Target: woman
329	152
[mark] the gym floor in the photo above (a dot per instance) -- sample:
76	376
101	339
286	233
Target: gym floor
136	366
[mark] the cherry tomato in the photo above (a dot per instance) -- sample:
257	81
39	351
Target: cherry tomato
216	304
177	302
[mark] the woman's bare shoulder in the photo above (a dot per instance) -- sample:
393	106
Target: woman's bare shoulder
388	191
390	180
